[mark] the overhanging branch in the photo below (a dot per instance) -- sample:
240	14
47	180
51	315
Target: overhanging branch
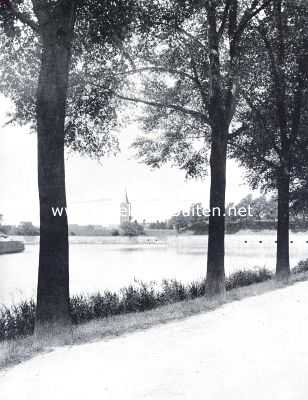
237	133
248	15
193	38
160	69
175	107
23	17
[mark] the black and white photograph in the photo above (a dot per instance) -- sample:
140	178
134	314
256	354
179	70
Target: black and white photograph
154	199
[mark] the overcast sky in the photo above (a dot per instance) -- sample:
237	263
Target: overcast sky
95	190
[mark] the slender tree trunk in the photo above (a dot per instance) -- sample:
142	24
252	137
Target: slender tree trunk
52	315
279	78
283	259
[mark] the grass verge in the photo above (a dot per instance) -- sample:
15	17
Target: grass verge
135	307
18	320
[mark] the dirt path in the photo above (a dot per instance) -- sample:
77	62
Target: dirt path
255	349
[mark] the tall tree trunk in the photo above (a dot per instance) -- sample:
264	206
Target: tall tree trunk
280	85
215	277
283	259
52	315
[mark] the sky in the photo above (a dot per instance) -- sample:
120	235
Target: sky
95	190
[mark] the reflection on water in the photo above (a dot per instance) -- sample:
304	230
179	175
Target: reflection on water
107	262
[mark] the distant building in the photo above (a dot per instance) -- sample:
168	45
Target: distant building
125	210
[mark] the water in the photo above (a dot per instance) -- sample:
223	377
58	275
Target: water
98	263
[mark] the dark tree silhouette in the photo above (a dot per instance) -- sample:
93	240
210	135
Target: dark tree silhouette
275	140
191	64
68	37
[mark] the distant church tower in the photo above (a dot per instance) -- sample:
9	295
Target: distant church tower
125	210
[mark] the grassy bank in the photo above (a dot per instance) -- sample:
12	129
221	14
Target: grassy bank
18	320
135	307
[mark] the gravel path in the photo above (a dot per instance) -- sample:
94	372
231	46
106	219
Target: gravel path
256	348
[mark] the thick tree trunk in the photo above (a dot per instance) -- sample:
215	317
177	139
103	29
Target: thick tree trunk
283	260
215	277
52	315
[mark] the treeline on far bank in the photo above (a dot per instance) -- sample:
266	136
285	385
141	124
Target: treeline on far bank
28	229
22	229
262	216
201	228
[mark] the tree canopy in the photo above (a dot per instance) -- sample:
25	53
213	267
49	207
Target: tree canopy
101	34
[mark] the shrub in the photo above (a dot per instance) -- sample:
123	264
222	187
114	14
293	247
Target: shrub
173	291
196	289
105	305
80	309
246	278
132	229
302	266
19	320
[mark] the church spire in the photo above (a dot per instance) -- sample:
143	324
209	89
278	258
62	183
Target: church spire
125	209
126	197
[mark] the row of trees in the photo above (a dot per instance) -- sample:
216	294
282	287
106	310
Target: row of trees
214	76
239	74
24	228
249	213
